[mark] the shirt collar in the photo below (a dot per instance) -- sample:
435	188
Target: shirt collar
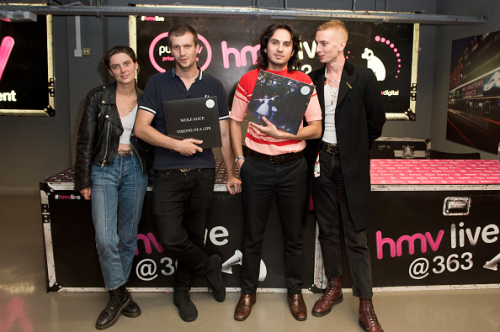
279	72
173	74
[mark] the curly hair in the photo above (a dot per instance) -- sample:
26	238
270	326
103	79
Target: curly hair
263	61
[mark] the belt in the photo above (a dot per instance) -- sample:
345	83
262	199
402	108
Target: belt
175	170
329	148
124	153
278	159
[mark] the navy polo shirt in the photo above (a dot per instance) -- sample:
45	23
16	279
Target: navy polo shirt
168	86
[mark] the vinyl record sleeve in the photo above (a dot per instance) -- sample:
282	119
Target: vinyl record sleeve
282	100
194	118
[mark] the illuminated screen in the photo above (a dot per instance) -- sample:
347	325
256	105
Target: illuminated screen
474	97
229	49
24	72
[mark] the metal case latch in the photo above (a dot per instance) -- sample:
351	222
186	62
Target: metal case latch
456	206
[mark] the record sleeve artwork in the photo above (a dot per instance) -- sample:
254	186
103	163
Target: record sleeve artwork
194	118
282	100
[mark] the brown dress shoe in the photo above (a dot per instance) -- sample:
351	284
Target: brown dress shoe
333	295
367	318
297	306
244	306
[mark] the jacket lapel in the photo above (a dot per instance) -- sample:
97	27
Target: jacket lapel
319	81
109	100
347	81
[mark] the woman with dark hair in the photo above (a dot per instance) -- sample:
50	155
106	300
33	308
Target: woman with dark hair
111	166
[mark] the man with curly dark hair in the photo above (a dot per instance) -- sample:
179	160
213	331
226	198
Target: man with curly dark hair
274	167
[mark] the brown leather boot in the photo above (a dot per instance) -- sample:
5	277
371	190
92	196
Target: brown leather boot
297	306
333	295
244	306
367	318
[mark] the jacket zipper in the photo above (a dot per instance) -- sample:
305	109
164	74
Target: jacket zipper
107	146
140	159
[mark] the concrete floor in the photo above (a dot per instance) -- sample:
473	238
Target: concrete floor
26	306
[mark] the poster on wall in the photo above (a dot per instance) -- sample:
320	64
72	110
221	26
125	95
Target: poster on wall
474	97
229	48
26	72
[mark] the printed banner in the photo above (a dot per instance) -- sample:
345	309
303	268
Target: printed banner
67	222
229	49
424	238
419	237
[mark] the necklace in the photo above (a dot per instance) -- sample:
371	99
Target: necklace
328	79
130	107
333	92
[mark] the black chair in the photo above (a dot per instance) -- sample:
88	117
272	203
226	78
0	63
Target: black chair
447	155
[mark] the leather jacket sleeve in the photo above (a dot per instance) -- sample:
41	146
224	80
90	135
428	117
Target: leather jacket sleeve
144	150
86	142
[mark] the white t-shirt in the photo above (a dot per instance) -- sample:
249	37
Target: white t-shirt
331	96
128	123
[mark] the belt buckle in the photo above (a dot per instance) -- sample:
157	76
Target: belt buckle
124	153
185	170
331	149
277	159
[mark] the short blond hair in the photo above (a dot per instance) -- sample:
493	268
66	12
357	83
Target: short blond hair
334	25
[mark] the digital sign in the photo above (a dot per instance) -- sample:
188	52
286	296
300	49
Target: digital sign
26	79
229	48
473	117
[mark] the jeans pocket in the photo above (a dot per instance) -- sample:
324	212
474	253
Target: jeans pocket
241	168
208	173
160	176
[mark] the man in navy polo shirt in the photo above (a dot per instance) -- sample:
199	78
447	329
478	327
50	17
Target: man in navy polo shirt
184	172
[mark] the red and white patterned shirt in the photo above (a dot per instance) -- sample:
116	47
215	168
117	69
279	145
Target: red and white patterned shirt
264	143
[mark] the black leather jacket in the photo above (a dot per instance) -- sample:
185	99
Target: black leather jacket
99	135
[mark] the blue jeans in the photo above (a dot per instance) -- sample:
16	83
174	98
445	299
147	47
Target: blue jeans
118	192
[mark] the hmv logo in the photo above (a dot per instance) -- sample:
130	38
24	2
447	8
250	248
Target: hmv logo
67	197
460	236
396	247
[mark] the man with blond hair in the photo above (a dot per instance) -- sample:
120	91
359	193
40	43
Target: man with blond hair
353	117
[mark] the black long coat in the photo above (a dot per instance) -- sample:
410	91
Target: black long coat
359	118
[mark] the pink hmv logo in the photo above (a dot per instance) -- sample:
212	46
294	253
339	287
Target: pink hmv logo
5	49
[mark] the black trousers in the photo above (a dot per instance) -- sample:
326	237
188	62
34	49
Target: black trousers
181	204
262	181
329	214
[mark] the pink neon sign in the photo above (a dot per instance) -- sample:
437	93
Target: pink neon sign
165	35
5	49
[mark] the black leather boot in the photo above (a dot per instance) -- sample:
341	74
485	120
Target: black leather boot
215	278
118	299
132	310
